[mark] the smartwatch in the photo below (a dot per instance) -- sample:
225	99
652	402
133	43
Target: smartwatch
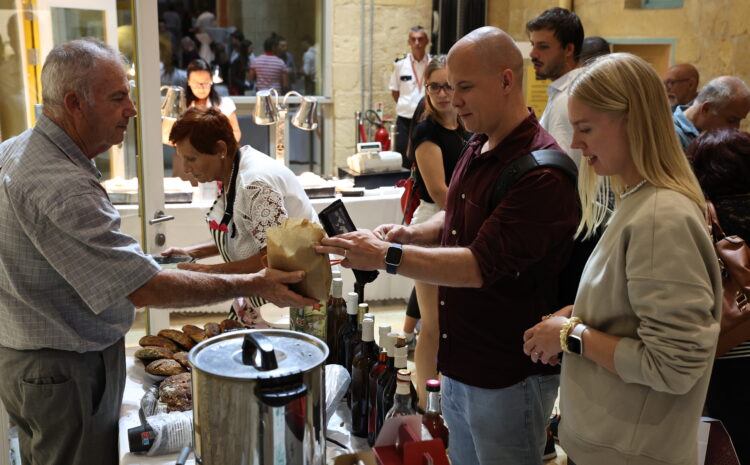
393	258
575	339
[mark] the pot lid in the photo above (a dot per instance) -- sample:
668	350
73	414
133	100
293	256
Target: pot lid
258	354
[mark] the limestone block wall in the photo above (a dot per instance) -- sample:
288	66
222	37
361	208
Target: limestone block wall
392	21
713	35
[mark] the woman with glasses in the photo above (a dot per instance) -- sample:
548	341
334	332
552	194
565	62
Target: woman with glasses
436	146
201	93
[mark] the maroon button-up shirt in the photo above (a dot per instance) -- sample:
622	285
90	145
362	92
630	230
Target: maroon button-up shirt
481	330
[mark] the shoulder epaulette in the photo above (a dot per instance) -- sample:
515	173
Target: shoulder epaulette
399	58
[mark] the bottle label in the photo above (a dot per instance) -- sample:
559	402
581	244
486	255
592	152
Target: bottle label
310	320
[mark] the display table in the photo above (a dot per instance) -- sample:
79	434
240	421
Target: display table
379	206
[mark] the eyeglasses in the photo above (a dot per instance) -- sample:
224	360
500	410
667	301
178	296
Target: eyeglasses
201	85
670	82
435	88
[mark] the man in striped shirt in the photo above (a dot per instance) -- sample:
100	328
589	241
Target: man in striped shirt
269	71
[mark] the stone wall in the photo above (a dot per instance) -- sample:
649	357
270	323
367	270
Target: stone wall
710	34
392	21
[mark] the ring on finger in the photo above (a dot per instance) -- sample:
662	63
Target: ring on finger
346	251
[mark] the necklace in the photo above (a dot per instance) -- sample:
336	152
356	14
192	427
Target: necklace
629	191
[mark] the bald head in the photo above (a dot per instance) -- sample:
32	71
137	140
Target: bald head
681	82
493	48
485	69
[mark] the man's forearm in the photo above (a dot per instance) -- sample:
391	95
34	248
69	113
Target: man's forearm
429	232
178	288
444	266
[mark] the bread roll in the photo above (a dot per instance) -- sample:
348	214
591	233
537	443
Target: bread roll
165	367
159	342
212	329
195	333
179	337
182	358
150	353
228	325
177	392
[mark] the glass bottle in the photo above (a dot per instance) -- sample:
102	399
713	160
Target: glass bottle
350	334
361	366
402	401
432	419
399	362
336	316
384	379
379	368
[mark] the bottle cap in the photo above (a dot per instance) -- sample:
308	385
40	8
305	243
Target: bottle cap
368	330
141	438
337	287
383	330
404	376
335	274
433	385
390	344
351	303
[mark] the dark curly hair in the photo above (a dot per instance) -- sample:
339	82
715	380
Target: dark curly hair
564	23
721	162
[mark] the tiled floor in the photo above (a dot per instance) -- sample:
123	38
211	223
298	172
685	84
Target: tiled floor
392	314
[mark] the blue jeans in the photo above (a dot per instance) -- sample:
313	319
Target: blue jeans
499	426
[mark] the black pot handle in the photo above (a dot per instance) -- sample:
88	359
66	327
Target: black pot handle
279	398
255	343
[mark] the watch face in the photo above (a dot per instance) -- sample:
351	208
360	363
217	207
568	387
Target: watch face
393	256
574	345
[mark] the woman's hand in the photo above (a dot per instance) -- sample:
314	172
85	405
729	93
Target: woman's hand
542	341
177	251
194	267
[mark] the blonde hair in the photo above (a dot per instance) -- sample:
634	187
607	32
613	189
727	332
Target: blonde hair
624	85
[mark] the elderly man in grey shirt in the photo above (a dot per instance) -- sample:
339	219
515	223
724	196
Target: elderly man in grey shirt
69	278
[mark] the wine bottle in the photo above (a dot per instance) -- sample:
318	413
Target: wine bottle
384	380
402	401
432	419
361	366
379	368
350	334
336	318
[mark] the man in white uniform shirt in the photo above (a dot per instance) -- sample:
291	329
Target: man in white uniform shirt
407	86
556	38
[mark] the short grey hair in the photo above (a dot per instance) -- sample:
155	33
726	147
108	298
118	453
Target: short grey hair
70	67
722	90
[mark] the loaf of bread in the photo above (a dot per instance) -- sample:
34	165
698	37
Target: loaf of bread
159	342
177	392
212	329
150	353
179	337
195	333
182	358
229	325
165	367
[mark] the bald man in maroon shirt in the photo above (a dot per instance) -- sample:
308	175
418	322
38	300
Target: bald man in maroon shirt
496	265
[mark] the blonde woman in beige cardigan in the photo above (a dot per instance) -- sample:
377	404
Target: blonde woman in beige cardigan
643	329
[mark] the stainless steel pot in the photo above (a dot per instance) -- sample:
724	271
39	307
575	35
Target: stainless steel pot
259	398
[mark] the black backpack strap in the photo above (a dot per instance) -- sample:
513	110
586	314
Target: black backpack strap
529	162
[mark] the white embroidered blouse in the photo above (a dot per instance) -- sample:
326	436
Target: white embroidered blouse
267	193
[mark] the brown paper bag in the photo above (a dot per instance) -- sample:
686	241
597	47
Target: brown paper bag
290	248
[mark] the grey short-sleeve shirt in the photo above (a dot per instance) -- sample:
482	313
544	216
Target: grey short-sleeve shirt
66	269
